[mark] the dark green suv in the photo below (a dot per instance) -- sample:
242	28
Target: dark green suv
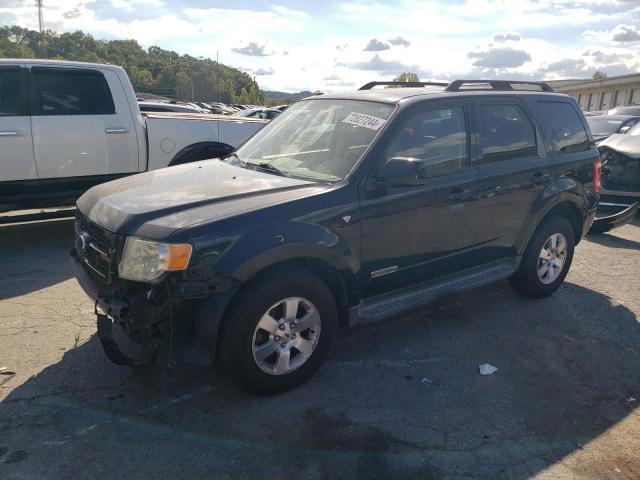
345	209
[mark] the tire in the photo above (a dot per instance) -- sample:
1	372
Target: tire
527	279
244	346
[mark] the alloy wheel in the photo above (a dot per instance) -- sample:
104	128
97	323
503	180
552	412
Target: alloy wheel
552	258
286	336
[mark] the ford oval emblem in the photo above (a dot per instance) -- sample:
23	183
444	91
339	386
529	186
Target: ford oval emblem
84	239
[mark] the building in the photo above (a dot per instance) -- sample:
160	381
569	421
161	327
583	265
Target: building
602	94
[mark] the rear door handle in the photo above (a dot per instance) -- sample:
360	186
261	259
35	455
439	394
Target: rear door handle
10	133
117	130
540	178
459	194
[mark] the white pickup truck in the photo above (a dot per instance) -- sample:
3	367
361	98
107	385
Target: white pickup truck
67	126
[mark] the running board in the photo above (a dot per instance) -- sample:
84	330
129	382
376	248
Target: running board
389	304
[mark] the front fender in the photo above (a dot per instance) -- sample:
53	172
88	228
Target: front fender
260	249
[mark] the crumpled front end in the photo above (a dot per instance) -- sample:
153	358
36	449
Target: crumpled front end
140	314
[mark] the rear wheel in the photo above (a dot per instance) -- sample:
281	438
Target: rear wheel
547	258
278	331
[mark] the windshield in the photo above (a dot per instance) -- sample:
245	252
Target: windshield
601	126
317	139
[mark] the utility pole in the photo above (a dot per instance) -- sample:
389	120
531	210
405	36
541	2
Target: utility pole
43	47
191	76
218	78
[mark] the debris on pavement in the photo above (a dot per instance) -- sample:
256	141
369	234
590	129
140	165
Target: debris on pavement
632	399
427	381
5	375
487	369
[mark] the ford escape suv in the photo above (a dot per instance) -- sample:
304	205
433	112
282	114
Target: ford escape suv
346	209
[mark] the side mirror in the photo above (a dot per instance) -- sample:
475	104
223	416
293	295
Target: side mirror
625	129
401	172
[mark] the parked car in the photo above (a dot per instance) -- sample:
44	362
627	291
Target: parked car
594	113
421	192
282	108
167	107
79	124
262	113
216	108
620	196
606	125
627	110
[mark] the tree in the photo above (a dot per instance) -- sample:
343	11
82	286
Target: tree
407	77
153	70
598	75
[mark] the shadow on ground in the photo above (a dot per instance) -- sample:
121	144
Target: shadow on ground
35	256
395	400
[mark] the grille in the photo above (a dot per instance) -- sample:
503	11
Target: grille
97	248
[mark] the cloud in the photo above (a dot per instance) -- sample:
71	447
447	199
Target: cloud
333	76
599	56
625	33
399	41
500	57
503	37
376	45
378	64
568	67
263	71
252	50
73	13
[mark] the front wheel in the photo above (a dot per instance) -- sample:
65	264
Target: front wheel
546	259
278	331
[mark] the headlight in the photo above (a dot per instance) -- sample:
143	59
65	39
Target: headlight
146	261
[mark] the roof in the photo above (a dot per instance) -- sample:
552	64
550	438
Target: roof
54	63
407	95
602	82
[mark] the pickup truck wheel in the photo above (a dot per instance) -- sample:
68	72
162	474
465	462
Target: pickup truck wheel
547	259
279	331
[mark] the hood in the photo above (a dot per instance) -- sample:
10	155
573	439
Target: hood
628	145
168	199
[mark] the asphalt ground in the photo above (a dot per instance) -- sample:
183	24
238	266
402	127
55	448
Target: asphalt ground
399	399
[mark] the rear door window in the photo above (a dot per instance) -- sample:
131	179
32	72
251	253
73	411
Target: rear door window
563	128
437	137
13	92
71	92
506	133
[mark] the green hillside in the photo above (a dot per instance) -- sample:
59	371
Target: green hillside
155	70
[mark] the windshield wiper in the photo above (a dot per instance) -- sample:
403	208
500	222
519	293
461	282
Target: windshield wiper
269	168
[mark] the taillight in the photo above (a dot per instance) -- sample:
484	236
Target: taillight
597	174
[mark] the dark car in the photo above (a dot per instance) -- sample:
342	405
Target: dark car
262	259
262	113
167	107
606	125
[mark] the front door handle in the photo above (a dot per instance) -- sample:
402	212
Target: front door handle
10	133
540	178
117	130
459	194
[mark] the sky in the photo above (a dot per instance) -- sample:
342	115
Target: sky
336	45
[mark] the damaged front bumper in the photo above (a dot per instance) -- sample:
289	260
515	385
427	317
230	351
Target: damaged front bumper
147	316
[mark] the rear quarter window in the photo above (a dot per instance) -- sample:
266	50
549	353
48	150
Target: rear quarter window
563	127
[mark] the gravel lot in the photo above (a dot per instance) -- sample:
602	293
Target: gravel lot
399	399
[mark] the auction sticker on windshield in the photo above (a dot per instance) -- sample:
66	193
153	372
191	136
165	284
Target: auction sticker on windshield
362	120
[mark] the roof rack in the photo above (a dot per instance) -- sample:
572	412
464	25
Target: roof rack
464	85
370	85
